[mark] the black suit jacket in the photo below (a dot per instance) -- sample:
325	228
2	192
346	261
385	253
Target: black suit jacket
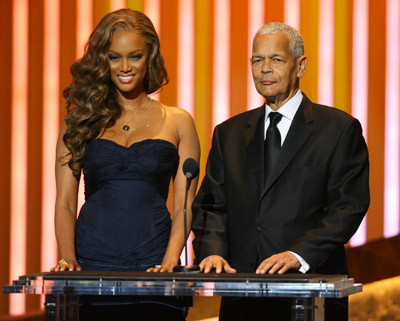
312	203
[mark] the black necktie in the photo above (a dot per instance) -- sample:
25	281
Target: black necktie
272	143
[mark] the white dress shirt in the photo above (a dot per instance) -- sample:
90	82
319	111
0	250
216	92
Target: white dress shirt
288	111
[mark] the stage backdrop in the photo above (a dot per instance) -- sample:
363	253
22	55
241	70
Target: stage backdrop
353	64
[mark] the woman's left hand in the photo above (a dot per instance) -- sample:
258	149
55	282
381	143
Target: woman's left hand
163	267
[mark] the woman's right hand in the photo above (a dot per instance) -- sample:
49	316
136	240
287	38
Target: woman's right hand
66	265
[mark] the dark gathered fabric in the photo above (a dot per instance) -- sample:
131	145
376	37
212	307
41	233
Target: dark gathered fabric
125	225
128	308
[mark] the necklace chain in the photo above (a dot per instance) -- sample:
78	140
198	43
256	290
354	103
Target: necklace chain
139	103
126	128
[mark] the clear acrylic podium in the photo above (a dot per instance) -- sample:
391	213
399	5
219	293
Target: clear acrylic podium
63	289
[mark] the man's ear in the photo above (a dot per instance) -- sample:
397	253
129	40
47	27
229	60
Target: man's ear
301	66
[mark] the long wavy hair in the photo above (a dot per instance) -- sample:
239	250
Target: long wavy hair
91	98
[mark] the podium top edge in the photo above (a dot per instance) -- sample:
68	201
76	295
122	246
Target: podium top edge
212	277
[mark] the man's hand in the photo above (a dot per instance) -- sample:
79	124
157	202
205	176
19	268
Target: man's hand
279	263
216	262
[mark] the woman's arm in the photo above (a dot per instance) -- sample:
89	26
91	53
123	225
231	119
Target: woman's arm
188	147
66	208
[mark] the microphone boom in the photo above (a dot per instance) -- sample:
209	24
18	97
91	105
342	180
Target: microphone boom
191	169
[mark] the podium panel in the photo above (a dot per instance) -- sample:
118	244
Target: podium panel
62	289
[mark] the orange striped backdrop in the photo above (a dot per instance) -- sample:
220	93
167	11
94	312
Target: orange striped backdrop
353	51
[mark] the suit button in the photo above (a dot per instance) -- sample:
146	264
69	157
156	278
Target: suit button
258	228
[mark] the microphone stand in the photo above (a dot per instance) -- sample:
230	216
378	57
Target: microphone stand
186	268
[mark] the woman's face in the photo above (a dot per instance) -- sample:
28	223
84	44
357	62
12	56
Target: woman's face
127	57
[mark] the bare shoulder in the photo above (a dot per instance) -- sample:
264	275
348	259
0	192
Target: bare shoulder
178	114
183	124
180	119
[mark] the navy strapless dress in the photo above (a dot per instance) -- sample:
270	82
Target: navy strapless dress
124	224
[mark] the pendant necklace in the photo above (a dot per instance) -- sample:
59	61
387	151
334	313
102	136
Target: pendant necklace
126	128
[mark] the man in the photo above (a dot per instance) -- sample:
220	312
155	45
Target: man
289	203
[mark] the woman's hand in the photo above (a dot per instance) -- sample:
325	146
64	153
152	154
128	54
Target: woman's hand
165	266
66	265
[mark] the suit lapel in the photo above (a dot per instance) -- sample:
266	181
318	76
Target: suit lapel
298	134
254	142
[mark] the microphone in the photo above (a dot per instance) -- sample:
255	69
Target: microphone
191	170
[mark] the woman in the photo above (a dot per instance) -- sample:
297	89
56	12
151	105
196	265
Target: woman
128	147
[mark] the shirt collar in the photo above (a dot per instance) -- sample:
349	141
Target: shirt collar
289	109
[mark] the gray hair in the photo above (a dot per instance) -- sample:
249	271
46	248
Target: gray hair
296	44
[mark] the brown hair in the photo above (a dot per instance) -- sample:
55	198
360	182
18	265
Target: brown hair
91	97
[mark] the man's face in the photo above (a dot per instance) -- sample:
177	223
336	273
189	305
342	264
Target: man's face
275	73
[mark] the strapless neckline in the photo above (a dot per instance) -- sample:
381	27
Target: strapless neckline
125	222
138	143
